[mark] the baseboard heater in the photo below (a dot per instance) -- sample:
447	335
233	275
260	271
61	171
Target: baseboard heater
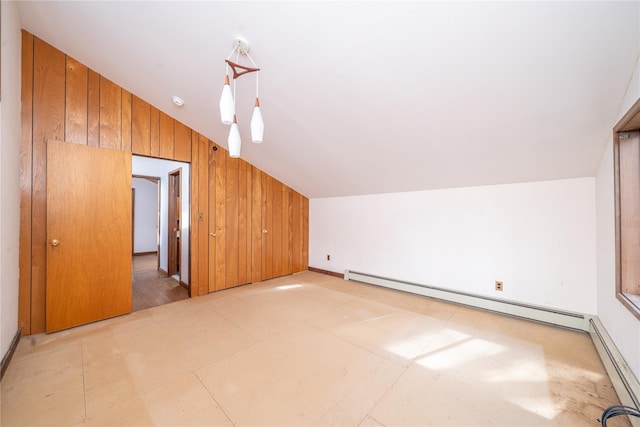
622	377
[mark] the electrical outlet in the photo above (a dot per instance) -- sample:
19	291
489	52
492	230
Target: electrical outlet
498	285
328	257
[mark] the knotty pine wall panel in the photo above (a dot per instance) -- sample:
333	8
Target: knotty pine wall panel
63	99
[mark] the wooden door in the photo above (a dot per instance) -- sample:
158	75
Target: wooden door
275	224
88	234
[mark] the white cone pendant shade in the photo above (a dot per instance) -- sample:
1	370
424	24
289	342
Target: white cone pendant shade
234	140
227	105
257	124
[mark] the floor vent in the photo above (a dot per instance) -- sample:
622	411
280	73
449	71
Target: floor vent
623	379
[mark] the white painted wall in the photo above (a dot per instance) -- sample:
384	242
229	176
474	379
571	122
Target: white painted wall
145	233
538	238
621	325
161	168
10	134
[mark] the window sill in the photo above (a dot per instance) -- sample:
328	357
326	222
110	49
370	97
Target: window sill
631	301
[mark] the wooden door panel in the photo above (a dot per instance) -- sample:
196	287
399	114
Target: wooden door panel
231	223
211	194
217	257
89	213
275	219
256	224
244	224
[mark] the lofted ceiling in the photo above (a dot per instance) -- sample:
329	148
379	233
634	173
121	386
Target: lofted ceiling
375	97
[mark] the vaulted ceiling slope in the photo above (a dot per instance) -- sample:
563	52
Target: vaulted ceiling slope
375	97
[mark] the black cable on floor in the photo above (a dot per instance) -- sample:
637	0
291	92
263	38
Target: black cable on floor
616	410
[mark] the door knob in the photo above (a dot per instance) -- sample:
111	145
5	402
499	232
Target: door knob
265	231
212	234
55	242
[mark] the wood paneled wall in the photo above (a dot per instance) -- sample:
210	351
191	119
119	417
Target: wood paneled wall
245	225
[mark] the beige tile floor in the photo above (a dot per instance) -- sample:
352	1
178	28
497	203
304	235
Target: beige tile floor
308	349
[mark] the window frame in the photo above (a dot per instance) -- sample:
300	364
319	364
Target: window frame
629	122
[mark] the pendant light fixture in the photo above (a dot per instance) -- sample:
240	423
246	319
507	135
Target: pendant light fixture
234	139
227	100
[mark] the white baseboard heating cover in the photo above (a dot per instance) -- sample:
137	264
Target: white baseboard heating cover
623	379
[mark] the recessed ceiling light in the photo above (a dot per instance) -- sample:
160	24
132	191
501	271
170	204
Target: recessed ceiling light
178	101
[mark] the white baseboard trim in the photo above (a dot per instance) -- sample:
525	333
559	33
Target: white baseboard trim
623	379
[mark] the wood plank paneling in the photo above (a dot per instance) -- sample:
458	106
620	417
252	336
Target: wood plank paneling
110	115
295	225
182	150
220	186
286	232
205	239
48	123
26	153
141	131
267	221
93	109
194	272
305	234
76	98
167	136
232	231
256	224
63	99
155	132
126	121
277	207
211	208
244	222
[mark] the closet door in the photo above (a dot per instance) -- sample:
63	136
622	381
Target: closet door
275	228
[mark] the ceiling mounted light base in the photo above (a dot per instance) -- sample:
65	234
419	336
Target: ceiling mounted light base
178	101
241	45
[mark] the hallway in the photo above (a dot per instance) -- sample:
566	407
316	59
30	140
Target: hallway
151	287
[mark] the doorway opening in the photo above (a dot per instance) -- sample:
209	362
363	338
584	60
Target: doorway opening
160	232
173	224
